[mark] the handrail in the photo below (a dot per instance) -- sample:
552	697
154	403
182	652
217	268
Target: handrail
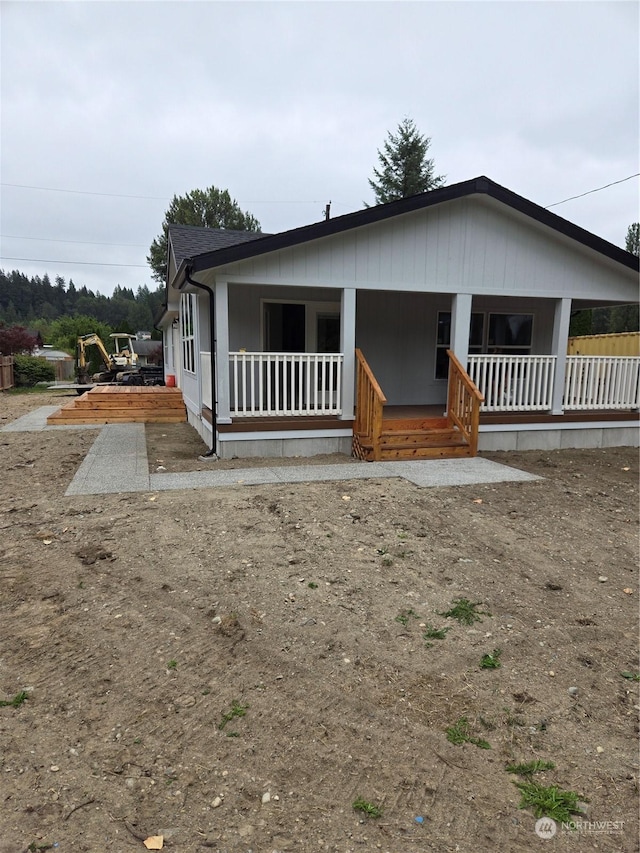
463	402
369	406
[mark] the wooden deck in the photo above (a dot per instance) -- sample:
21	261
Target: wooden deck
113	404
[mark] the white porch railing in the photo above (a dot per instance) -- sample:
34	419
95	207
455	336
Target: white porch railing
601	382
205	372
277	383
513	383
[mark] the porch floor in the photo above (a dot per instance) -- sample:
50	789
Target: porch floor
416	414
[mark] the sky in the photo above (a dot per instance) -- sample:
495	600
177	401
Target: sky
109	109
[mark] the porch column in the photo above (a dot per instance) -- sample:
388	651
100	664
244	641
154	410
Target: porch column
348	348
561	320
460	326
221	345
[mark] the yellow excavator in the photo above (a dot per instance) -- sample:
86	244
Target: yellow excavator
121	367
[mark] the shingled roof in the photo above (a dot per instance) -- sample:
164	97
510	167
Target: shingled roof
191	240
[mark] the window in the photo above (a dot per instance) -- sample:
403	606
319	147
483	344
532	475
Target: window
187	331
443	343
510	334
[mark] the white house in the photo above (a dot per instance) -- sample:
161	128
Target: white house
338	334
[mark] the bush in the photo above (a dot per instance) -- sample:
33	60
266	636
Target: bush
29	370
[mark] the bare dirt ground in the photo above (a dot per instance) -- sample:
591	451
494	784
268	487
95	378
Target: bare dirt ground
233	668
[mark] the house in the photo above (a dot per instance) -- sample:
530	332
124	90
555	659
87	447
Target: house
434	325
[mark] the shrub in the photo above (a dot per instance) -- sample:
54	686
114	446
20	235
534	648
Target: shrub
29	370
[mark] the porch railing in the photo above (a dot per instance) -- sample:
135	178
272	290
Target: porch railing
284	383
367	426
463	403
601	382
513	383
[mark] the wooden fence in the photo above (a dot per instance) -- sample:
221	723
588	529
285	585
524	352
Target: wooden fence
6	372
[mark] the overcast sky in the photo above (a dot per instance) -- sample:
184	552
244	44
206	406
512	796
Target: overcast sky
111	109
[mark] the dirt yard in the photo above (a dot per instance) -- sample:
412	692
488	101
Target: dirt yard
232	669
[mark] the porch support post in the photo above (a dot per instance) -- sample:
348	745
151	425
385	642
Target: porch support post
221	344
561	320
460	326
348	348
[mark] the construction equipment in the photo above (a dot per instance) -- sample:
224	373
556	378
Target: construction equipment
120	368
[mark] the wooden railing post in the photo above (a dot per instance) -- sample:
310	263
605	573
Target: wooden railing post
463	403
367	426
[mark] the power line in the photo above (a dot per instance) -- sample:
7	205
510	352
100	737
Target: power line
597	189
85	192
73	263
80	242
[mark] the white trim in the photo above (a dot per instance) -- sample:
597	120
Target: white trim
553	425
283	434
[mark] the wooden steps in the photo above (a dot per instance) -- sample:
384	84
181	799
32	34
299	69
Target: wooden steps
113	404
428	438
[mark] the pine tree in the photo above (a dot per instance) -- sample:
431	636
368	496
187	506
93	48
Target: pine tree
405	168
632	242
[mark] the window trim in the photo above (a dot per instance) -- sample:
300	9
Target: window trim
188	331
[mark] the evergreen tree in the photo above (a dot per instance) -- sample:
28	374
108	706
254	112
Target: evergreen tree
405	168
632	242
211	208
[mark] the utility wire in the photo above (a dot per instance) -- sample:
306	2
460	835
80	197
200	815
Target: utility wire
597	190
80	242
73	263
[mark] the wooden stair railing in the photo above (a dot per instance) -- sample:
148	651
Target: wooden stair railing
367	427
463	403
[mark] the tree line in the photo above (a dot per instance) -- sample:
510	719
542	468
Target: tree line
50	308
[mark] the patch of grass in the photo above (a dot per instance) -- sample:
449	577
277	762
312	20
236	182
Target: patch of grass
549	801
459	733
312	585
528	768
403	616
17	700
370	809
237	710
172	664
491	661
387	562
465	611
630	676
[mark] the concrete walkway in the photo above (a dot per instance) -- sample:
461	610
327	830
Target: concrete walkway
117	462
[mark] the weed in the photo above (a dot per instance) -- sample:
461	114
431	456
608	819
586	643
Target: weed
435	633
491	661
312	585
387	562
549	801
528	768
172	664
237	710
403	616
631	676
458	733
465	611
17	700
370	809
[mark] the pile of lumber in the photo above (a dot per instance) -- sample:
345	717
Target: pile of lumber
113	404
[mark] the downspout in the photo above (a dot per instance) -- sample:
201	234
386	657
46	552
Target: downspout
210	454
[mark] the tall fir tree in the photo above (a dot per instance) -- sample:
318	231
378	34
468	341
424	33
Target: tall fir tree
632	241
405	168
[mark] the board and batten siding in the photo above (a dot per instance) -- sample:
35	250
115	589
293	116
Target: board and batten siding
470	245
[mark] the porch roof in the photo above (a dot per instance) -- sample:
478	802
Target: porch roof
228	247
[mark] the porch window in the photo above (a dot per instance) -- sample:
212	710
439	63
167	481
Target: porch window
443	340
187	331
510	334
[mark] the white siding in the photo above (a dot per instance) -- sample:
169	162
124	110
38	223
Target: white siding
471	245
